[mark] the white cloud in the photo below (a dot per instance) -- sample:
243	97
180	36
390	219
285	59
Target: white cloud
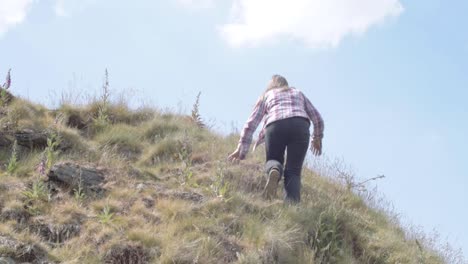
59	8
12	12
317	23
196	3
68	7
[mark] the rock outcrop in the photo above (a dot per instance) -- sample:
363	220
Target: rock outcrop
75	176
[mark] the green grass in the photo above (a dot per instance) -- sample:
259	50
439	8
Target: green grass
159	128
125	138
157	166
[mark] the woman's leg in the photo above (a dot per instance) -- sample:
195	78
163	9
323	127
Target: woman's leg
296	152
275	145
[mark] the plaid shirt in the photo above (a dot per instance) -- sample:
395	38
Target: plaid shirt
275	105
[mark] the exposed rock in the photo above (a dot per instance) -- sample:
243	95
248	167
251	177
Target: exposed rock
20	215
73	175
126	254
55	233
76	121
31	139
5	142
19	252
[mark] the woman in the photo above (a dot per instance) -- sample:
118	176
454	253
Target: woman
287	113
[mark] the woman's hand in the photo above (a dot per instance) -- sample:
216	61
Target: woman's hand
316	147
235	156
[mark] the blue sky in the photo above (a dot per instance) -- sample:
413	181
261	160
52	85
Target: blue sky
388	76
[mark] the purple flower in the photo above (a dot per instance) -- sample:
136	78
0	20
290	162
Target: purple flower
41	168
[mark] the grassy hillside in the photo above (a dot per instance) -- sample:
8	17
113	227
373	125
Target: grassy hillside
169	196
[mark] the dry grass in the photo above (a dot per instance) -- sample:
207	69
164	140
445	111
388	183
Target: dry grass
171	197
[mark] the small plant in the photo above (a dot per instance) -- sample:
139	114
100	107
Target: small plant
78	193
13	162
220	186
37	192
105	217
185	150
326	240
4	88
196	117
185	156
35	195
50	151
101	120
103	108
187	174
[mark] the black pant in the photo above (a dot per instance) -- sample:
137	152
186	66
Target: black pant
291	134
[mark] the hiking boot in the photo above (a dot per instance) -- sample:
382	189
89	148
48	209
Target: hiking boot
272	184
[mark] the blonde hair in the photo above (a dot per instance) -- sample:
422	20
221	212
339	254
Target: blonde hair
277	81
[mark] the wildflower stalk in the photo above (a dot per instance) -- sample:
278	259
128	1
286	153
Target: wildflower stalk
13	162
196	117
4	88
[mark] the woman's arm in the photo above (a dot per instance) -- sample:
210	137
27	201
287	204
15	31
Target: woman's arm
315	117
249	128
317	121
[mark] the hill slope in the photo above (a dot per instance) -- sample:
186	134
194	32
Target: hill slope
103	183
